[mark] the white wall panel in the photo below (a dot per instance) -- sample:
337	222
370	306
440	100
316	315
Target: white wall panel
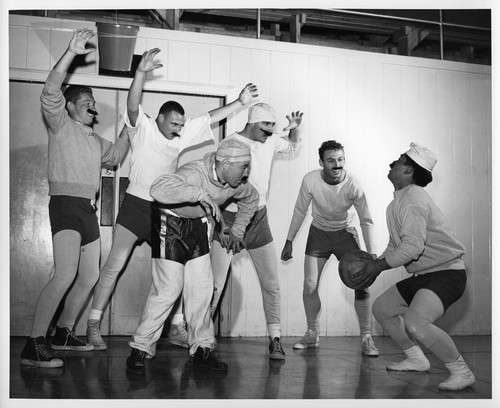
18	45
376	105
220	65
178	61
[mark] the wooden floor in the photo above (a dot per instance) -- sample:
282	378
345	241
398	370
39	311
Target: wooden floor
336	370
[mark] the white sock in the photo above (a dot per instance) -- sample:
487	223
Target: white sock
274	330
177	318
95	314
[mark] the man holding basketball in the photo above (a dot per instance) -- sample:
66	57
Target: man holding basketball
332	192
421	241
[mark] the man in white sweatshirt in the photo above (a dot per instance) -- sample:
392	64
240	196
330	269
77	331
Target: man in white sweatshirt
183	218
259	135
420	241
333	192
155	148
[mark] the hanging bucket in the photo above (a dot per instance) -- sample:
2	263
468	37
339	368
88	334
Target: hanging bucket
116	44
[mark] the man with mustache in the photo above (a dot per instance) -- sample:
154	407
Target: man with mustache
155	147
183	217
76	154
332	192
421	241
259	135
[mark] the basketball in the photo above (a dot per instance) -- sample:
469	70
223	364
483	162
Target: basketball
350	264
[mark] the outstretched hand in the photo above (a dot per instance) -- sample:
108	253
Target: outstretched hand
248	93
79	39
147	62
295	119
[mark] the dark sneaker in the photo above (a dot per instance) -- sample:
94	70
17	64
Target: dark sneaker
205	357
35	354
276	351
65	339
135	362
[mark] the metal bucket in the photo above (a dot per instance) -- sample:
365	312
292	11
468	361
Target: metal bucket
116	44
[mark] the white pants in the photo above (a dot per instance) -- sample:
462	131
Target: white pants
170	279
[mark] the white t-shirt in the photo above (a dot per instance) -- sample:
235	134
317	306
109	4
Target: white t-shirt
261	161
153	155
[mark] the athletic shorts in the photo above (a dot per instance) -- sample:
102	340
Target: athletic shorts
178	239
74	213
135	215
257	233
322	244
448	285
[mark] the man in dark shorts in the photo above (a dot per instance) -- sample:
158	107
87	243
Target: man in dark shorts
332	192
155	148
76	154
183	222
420	241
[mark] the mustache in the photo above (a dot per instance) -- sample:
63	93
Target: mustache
337	168
92	111
266	132
176	134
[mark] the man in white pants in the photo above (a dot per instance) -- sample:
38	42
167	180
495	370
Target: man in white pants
259	135
333	192
155	147
188	204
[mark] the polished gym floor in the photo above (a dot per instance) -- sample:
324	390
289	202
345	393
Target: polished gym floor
335	370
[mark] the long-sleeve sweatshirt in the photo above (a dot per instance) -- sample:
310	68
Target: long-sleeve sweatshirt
76	152
261	161
419	237
332	206
181	192
153	155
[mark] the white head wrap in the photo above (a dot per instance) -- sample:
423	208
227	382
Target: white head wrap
261	112
233	151
422	156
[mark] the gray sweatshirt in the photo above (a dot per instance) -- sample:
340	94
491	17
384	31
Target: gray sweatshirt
181	192
419	237
76	152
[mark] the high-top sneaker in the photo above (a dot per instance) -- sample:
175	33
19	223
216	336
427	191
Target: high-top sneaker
65	339
35	354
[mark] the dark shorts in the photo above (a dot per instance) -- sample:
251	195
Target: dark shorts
448	285
322	244
178	239
135	215
74	213
257	233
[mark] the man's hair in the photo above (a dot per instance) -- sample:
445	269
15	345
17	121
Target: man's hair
72	93
329	145
171	106
421	177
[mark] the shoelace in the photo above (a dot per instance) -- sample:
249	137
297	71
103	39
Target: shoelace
182	329
277	346
75	338
310	334
42	351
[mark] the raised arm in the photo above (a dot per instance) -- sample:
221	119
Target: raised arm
295	119
76	47
146	65
246	95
